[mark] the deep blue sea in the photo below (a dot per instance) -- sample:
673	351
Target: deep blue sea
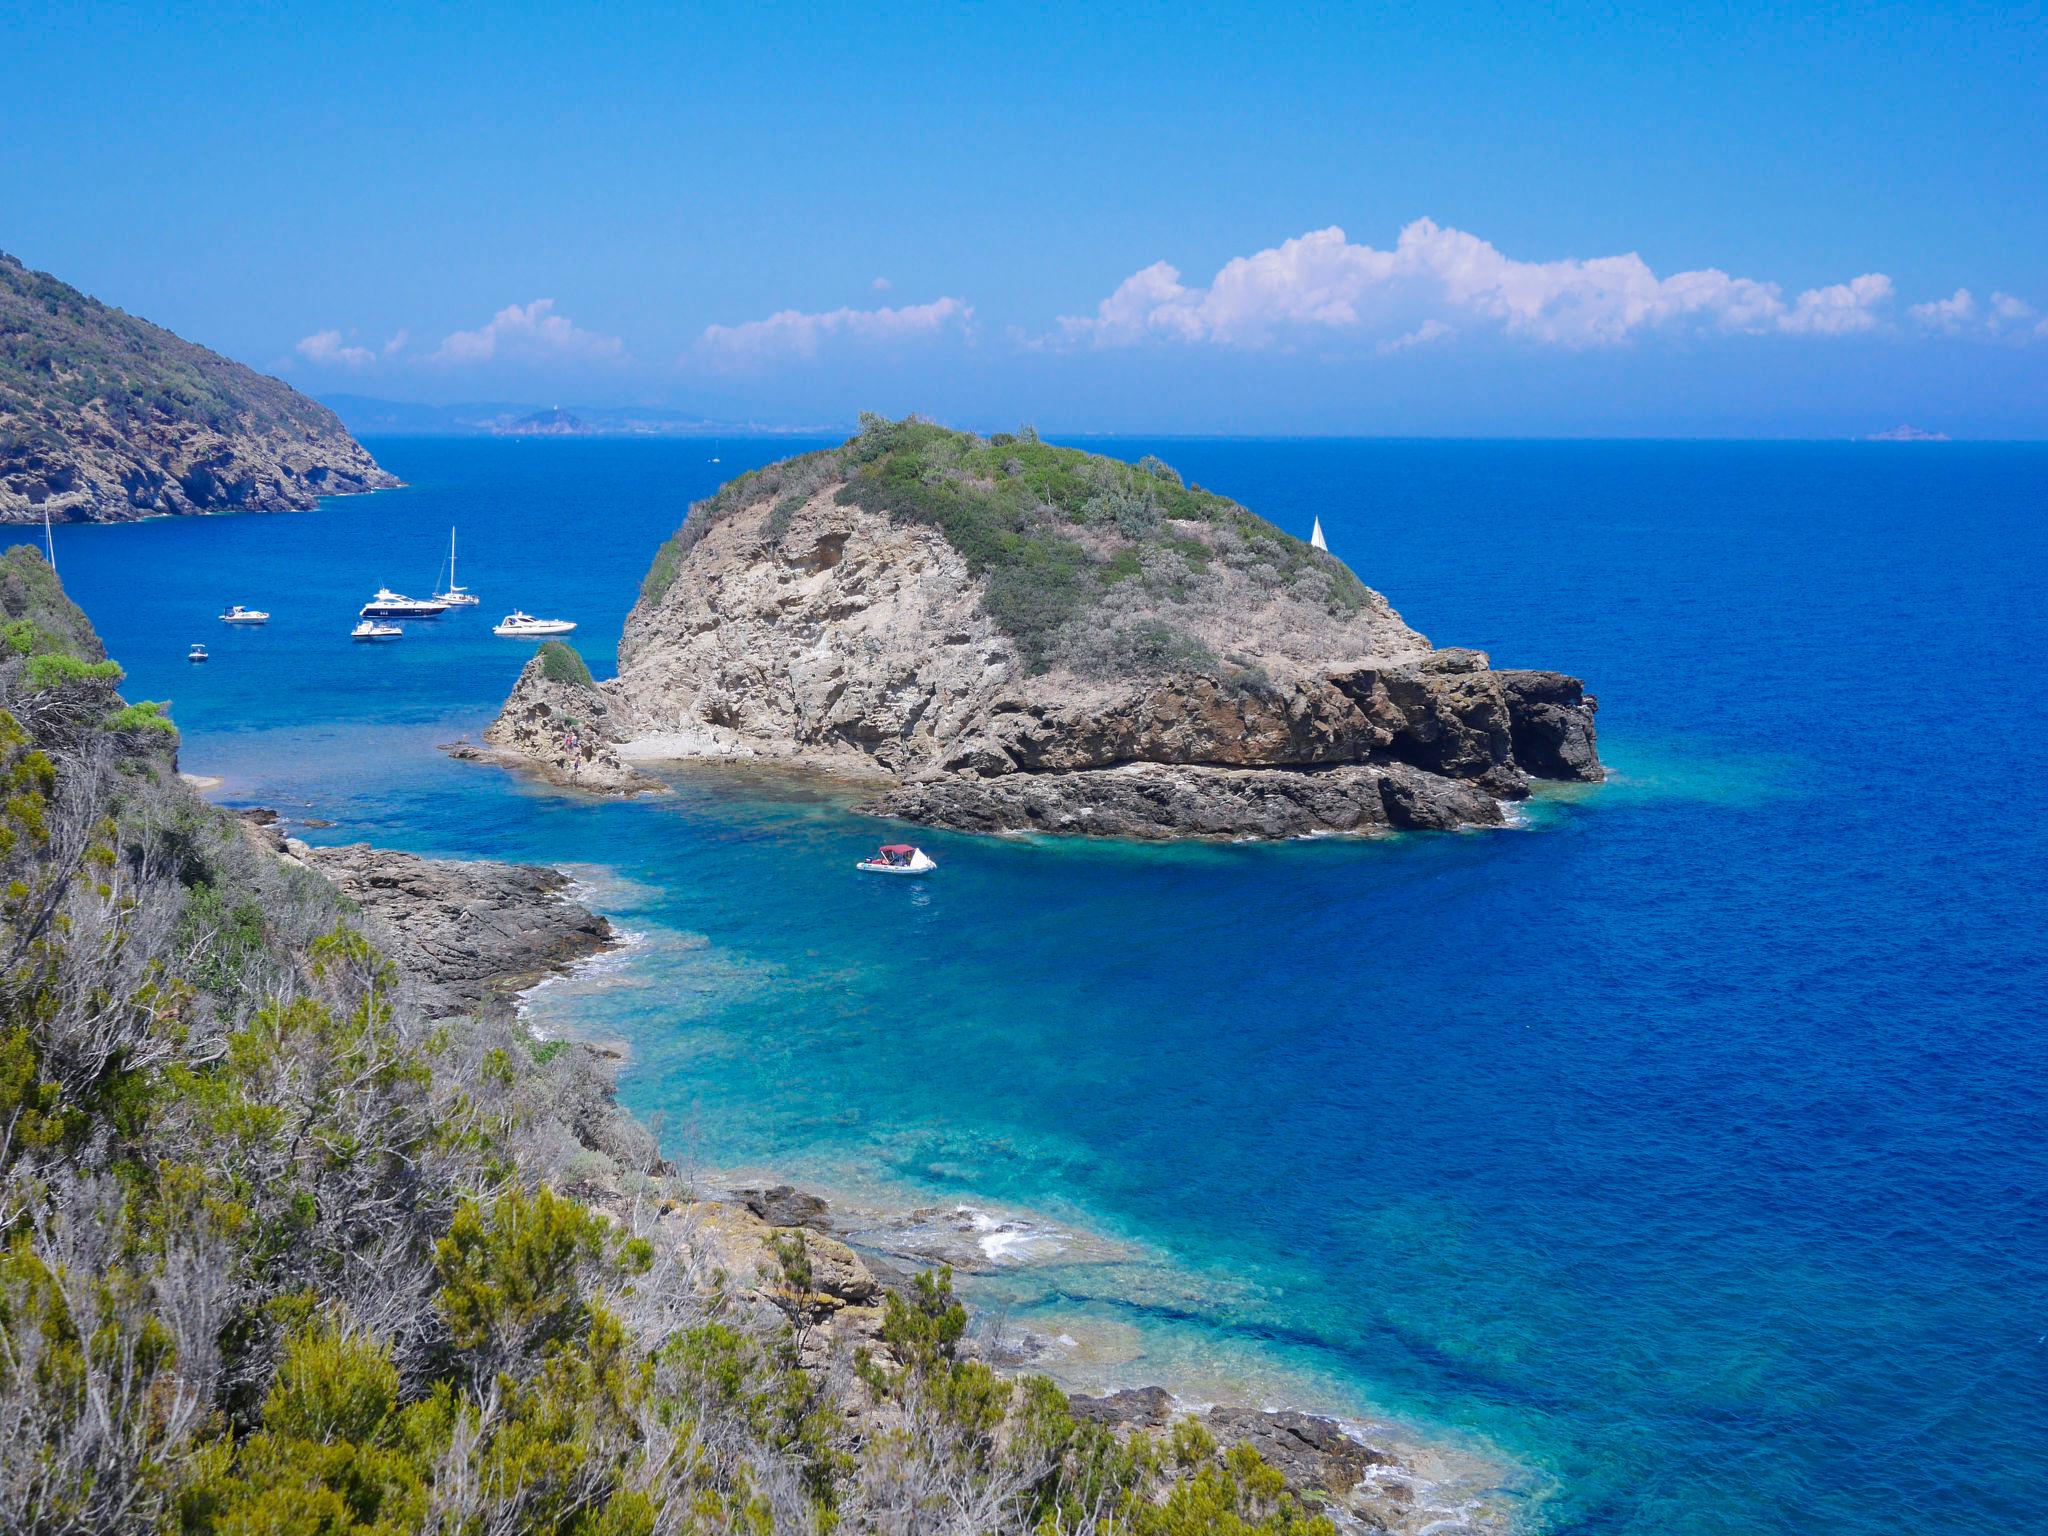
1678	1162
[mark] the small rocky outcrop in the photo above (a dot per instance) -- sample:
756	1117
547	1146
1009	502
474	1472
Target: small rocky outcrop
1008	636
107	418
559	724
472	933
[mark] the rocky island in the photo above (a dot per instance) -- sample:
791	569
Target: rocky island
1001	635
107	418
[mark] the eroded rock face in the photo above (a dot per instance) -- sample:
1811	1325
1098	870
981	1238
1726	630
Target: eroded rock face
843	639
850	642
1154	801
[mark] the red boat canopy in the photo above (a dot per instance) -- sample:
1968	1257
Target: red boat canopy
897	848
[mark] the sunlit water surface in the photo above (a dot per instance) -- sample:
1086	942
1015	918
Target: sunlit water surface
1676	1161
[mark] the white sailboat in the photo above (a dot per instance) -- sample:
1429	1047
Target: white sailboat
455	595
1315	539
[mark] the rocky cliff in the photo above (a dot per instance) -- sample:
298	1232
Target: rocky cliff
107	418
1004	635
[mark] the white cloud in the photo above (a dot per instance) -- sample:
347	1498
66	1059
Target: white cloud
397	342
1421	336
1840	309
1322	281
324	349
2007	310
2004	316
2016	317
1951	314
881	285
526	332
793	333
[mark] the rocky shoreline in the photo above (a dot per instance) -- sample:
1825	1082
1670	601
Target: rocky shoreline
471	935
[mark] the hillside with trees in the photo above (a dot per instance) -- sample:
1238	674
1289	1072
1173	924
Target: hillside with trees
105	417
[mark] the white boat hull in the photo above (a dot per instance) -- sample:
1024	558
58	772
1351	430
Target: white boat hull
245	618
531	631
921	863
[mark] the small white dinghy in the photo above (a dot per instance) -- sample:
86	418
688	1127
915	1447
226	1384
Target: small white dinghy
898	859
237	614
197	653
370	629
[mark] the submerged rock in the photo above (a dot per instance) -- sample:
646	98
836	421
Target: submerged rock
1013	637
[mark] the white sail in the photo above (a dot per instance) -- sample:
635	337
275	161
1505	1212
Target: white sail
1315	539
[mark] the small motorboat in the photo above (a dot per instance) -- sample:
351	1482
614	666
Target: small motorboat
519	626
898	859
388	604
237	614
370	629
197	653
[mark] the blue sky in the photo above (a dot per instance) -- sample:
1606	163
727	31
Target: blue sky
1695	220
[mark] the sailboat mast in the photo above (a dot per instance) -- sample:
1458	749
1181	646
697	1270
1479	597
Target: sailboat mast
49	542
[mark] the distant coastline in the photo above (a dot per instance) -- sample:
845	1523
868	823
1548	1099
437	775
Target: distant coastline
367	415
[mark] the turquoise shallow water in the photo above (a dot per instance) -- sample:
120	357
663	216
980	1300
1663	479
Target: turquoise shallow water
1680	1155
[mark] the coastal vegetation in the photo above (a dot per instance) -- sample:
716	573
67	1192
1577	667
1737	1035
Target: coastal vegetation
280	1252
1083	558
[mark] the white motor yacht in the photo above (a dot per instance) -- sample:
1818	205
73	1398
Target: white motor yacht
370	629
388	604
237	614
518	625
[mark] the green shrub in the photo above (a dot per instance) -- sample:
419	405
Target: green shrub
560	663
57	669
662	573
144	716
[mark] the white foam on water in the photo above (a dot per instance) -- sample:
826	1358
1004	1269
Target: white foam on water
1009	1240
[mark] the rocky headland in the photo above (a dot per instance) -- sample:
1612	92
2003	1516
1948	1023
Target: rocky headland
1000	635
107	418
473	933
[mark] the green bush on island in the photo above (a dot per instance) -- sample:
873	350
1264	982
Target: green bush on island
560	663
1049	531
280	1253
